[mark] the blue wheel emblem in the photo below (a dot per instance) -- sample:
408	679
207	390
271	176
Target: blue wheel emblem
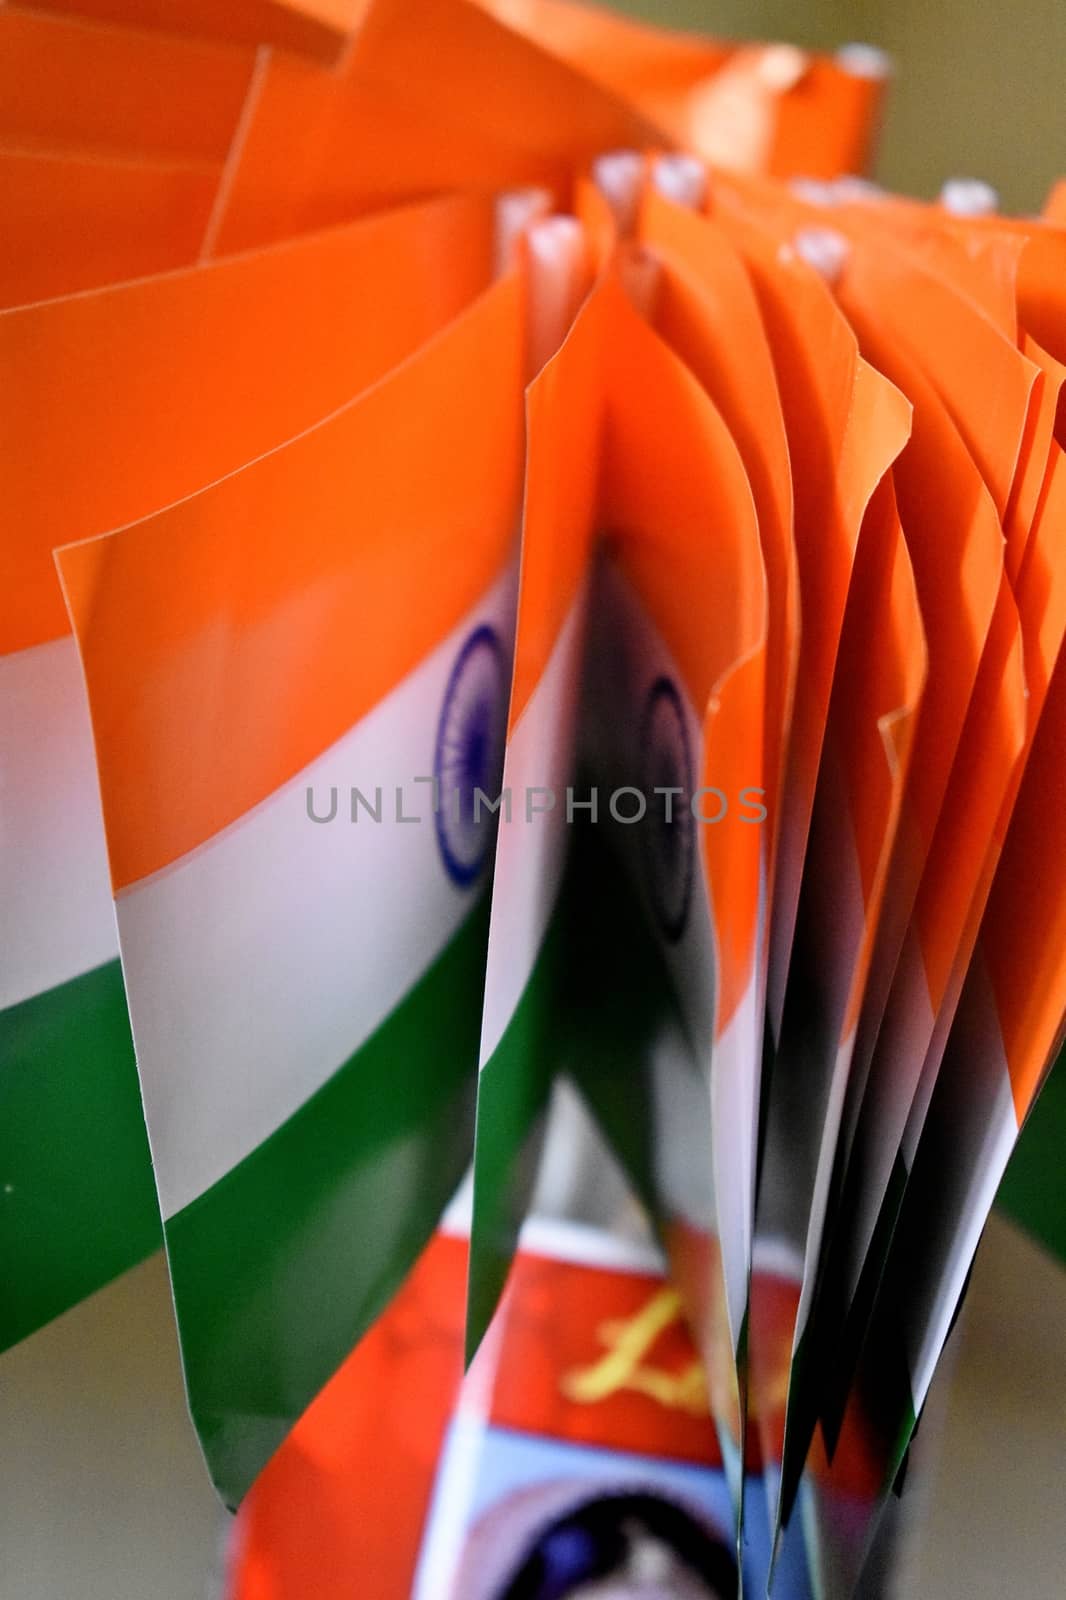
668	830
469	754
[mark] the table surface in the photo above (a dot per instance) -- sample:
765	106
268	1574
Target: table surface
105	1496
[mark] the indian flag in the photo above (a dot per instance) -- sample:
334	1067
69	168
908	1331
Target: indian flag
133	396
76	1199
837	464
1005	1035
272	666
1007	1030
1039	596
866	758
957	553
706	309
1011	685
619	676
520	1021
1009	701
998	1026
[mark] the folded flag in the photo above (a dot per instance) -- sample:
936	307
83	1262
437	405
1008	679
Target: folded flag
304	967
218	365
502	589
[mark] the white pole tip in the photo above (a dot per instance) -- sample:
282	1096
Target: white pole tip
814	191
618	176
864	61
823	249
969	197
681	178
857	191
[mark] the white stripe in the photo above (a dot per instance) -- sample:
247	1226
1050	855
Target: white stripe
734	1115
260	962
978	1111
54	885
531	854
586	1246
777	1258
819	1201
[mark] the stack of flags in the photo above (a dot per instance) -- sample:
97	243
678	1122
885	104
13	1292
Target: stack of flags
521	567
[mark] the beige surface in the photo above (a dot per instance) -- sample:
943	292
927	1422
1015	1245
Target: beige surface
105	1498
991	1520
104	1495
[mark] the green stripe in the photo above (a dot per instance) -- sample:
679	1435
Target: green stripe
1033	1191
594	1004
512	1101
282	1265
77	1200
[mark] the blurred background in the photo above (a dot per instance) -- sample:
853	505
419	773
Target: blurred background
979	90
